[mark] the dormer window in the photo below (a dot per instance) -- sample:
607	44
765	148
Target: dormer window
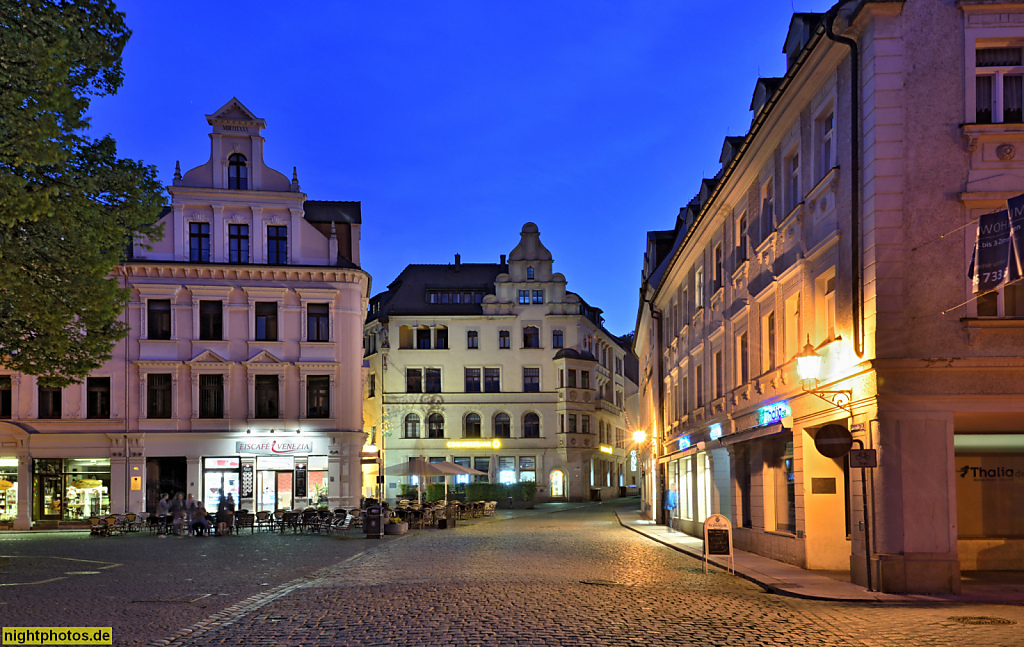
238	174
529	273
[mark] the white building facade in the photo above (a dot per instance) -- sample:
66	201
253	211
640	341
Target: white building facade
241	370
498	367
846	217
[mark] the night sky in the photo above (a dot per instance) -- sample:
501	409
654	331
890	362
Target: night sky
456	122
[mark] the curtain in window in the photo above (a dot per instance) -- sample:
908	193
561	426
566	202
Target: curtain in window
1013	93
983	99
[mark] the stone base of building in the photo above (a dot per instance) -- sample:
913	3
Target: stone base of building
991	554
923	573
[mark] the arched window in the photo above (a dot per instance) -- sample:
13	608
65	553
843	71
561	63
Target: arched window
531	426
502	426
435	426
472	426
529	272
238	173
412	426
531	337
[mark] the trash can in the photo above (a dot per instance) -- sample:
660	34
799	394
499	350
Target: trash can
373	522
449	517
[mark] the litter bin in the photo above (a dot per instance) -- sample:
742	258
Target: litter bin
373	521
449	517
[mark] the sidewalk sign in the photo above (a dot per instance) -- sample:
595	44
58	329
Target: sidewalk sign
718	539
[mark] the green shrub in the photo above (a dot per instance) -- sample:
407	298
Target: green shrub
406	491
524	491
435	491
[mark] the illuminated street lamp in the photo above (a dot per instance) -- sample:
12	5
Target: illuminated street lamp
639	436
808	369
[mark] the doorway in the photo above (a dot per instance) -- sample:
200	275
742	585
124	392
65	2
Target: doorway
557	484
276	488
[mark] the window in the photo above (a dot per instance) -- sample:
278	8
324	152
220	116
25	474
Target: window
584	379
267	396
527	468
502	426
472	339
158	395
266	321
570	375
238	243
472	380
741	238
571	420
492	380
531	426
538	296
423	338
524	296
504	339
793	196
318	396
413	380
158	318
785	484
199	242
507	469
372	386
556	338
435	426
441	338
767	208
472	426
412	426
698	383
238	174
482	464
585	426
277	245
998	85
718	375
432	381
768	342
531	337
529	273
97	397
49	402
829	305
6	398
211	396
211	320
792	323
684	393
531	380
742	359
318	322
698	288
719	281
824	127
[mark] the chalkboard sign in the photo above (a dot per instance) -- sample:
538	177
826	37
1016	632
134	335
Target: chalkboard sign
718	542
300	481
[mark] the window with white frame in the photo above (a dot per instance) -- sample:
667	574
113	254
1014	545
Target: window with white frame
825	286
719	377
999	85
767	208
742	359
698	287
792	327
824	130
741	238
718	278
793	195
768	342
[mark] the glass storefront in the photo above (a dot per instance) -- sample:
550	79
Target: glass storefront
71	488
275	483
990	485
8	489
220	475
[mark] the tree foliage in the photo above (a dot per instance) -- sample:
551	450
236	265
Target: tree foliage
68	205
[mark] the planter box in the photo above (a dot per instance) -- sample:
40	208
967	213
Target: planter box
396	528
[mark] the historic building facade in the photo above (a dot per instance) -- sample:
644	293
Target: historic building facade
846	217
498	367
242	368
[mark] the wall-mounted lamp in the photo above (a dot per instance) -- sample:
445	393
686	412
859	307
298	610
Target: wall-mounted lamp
808	368
639	436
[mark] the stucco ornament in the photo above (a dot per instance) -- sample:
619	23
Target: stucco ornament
1006	152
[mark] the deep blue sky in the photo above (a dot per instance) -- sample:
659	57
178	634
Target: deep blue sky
456	122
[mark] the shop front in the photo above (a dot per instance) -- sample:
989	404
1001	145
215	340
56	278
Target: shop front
989	477
70	489
274	474
8	489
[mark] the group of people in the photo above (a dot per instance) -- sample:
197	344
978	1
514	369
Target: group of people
190	515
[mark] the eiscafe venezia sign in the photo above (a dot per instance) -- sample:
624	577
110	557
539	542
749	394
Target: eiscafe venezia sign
274	447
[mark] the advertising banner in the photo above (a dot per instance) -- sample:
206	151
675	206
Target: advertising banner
991	252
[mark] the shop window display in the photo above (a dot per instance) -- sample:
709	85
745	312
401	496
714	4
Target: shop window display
72	488
8	489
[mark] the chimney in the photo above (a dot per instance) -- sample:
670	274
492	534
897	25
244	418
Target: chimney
502	259
458	260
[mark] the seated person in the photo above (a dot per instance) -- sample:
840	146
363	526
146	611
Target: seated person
200	524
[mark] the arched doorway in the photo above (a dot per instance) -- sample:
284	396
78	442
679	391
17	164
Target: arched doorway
557	484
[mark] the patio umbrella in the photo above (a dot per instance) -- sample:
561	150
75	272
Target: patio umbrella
422	468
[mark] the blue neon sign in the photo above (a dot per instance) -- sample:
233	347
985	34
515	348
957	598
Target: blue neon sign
684	442
773	413
716	432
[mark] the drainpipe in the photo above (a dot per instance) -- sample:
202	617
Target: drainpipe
659	474
855	242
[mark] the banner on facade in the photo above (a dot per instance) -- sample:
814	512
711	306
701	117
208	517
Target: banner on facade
1015	209
990	265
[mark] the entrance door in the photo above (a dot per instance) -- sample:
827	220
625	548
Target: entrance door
284	490
275	490
49	496
557	483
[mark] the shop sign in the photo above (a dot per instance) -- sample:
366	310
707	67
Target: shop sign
474	444
990	495
773	413
607	449
684	443
632	460
273	447
715	432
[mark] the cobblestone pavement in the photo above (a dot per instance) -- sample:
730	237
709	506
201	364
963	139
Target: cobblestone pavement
571	578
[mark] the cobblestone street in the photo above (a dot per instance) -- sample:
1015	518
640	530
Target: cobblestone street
575	577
